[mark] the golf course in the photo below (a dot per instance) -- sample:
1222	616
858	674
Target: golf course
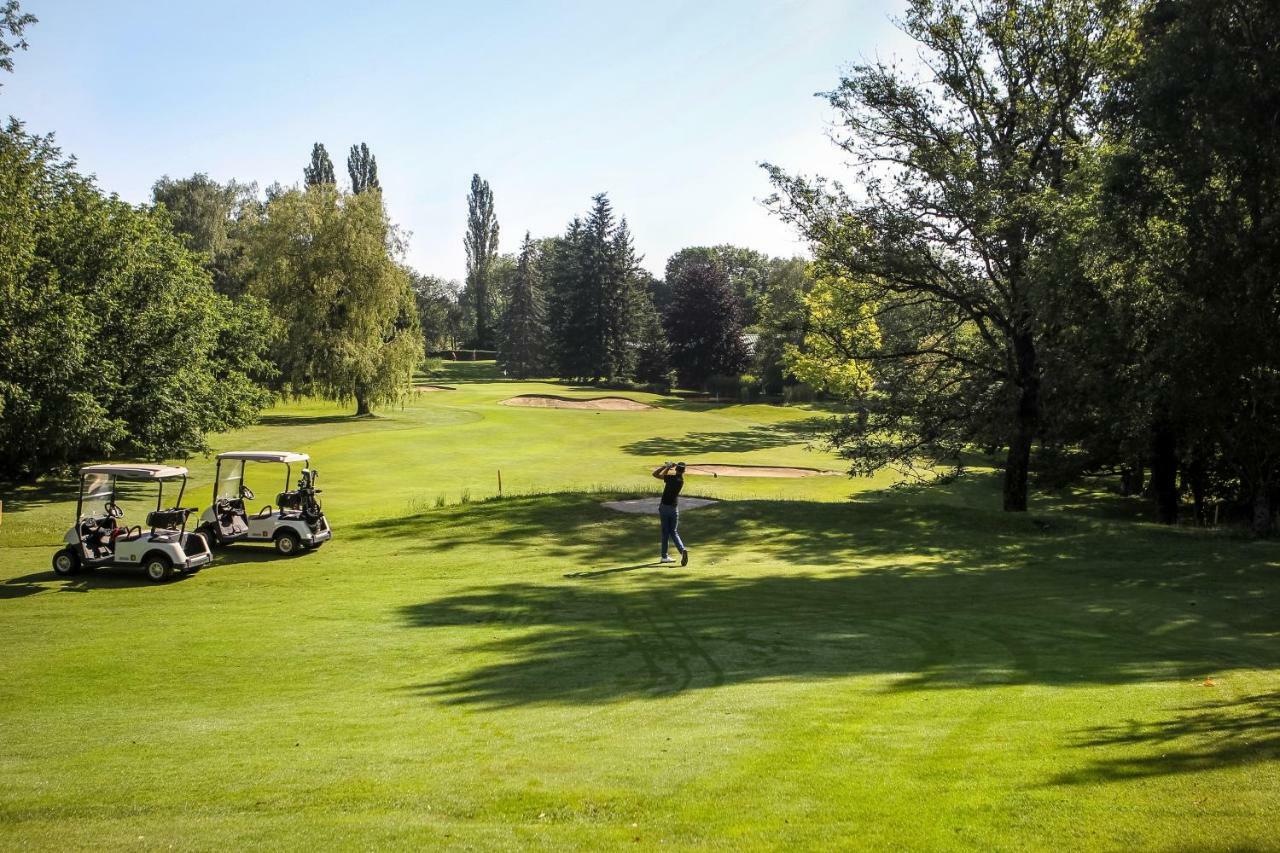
845	662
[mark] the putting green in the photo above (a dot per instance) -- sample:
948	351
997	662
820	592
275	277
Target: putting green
839	666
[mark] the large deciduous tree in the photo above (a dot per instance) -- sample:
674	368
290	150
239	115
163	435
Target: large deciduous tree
1194	187
481	243
948	241
325	261
320	169
13	21
211	218
747	270
112	338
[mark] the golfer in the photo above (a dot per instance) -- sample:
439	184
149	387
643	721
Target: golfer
672	476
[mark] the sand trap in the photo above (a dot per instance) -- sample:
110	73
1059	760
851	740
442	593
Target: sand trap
551	401
649	506
434	388
757	471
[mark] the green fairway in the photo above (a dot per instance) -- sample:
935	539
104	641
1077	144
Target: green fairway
842	665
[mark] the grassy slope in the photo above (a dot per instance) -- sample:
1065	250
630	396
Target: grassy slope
905	668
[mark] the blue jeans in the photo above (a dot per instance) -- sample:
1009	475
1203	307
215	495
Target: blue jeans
670	519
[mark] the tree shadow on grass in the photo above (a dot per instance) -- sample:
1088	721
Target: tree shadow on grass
807	431
1204	737
20	496
930	597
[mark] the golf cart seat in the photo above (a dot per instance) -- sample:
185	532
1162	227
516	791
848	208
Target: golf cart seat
168	520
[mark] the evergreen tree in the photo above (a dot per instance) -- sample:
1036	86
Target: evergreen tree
522	351
653	361
481	242
704	327
320	169
560	278
363	169
596	297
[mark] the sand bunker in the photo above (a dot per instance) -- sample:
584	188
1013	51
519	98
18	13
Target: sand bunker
434	388
551	401
757	471
649	506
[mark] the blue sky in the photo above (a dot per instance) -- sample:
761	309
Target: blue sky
668	106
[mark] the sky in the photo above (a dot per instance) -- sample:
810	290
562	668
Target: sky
667	106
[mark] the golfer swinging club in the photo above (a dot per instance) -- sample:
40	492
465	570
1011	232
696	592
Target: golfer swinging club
672	475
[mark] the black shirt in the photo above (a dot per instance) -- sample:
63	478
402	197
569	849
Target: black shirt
671	491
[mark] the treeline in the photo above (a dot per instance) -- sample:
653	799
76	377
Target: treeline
1065	244
137	330
580	306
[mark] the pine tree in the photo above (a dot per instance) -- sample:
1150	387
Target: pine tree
363	169
522	351
320	169
596	297
704	328
481	242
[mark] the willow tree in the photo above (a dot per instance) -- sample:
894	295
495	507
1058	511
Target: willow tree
948	241
324	259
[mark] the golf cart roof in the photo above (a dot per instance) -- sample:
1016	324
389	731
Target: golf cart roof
285	456
132	471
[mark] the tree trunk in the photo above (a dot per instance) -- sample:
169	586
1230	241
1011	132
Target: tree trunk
362	402
1132	478
1261	523
1164	470
1195	476
1026	422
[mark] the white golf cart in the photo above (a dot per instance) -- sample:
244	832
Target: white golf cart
97	539
294	524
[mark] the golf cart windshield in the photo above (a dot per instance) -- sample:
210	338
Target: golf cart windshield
230	479
97	490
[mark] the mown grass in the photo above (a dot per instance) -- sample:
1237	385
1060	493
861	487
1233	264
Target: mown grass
840	666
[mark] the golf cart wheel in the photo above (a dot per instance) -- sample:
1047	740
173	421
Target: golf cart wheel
158	568
210	534
66	562
288	543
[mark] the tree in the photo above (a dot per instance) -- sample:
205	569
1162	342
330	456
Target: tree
704	332
438	314
596	296
1193	187
783	320
320	169
524	327
747	270
210	217
13	21
363	169
109	351
481	242
962	175
324	261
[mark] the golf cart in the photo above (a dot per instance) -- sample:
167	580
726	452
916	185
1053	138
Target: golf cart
295	523
98	539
